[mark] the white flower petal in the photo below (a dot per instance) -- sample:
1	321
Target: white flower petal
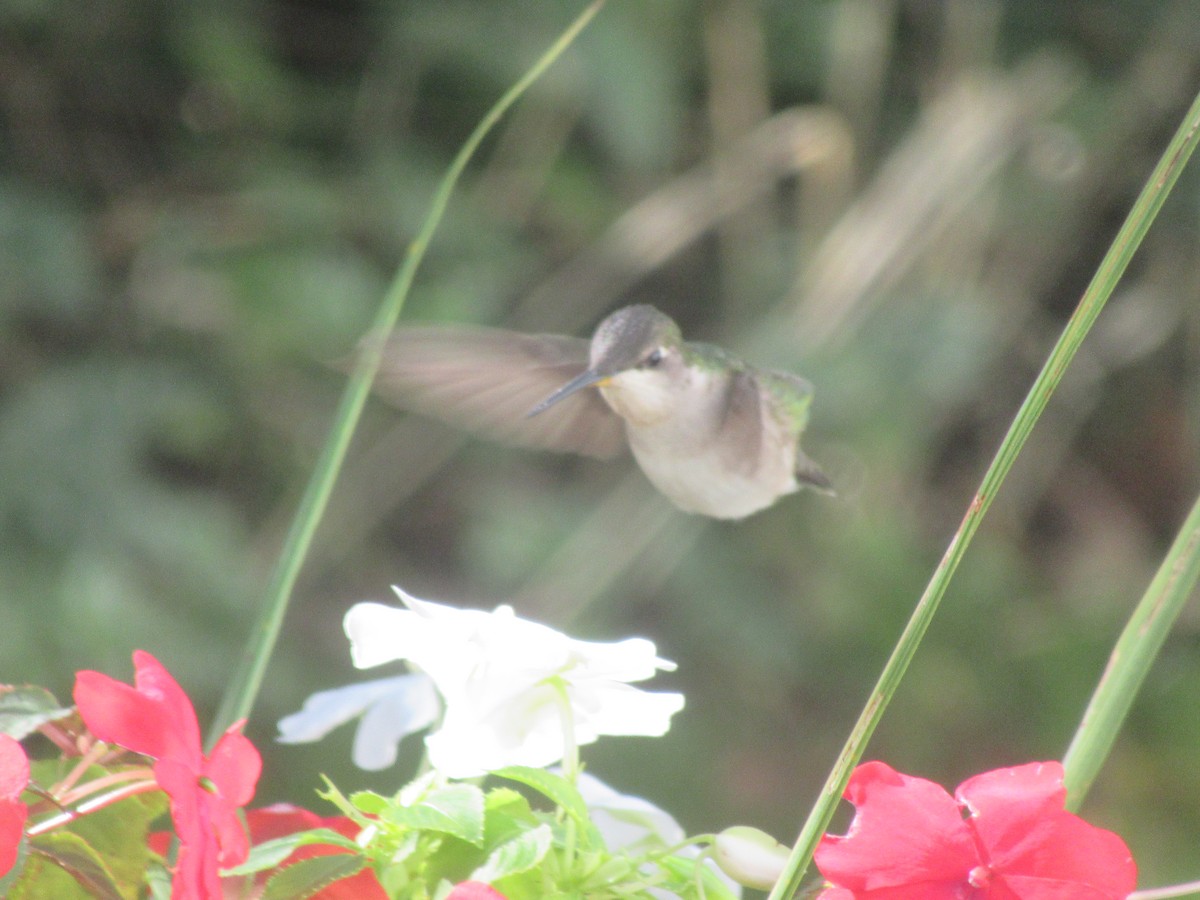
326	710
634	824
391	709
621	709
391	719
504	681
632	659
626	821
378	633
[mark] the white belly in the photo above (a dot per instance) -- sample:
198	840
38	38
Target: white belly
674	434
704	483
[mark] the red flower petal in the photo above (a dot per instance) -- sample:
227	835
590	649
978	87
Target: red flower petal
197	864
14	776
282	819
1031	839
1021	844
155	717
906	832
14	768
1005	802
278	820
13	814
152	679
234	767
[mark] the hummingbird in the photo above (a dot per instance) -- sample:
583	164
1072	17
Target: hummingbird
715	435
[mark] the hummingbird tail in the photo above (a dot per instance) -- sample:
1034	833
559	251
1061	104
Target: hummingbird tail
809	473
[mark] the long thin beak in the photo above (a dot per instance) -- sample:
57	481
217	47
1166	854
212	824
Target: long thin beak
585	379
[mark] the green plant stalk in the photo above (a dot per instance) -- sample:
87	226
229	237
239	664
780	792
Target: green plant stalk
1131	659
243	689
1112	267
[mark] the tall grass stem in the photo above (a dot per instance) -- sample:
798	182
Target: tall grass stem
1111	268
244	687
1131	659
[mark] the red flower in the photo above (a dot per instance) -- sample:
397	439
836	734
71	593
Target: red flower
156	718
1004	835
282	819
474	890
14	775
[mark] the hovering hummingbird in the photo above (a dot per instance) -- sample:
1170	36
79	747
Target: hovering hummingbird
718	437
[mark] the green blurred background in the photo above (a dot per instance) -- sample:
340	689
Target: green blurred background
201	203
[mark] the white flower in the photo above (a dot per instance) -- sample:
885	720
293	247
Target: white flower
515	692
391	709
627	822
635	825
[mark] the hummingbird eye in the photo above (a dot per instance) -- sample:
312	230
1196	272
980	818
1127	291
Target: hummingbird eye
655	357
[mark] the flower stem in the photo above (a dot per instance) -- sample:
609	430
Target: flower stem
244	686
68	797
1131	659
1157	187
89	758
90	806
1165	893
570	761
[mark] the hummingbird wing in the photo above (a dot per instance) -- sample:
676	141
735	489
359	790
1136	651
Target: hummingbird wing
794	394
757	393
486	380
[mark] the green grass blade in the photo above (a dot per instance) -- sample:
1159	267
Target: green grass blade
243	689
1131	659
1098	291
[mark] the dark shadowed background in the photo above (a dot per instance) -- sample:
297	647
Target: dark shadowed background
201	204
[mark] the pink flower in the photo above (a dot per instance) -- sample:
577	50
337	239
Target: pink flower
14	775
156	718
1005	835
474	890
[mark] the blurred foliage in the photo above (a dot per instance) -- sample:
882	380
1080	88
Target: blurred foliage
201	203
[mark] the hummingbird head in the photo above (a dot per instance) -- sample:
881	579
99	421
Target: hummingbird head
636	355
635	337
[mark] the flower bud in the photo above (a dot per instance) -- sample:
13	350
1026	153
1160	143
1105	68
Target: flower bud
750	857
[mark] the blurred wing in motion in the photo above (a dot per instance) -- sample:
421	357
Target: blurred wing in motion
486	380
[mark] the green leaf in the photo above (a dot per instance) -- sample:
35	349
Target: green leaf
25	708
102	854
77	857
371	803
337	798
506	813
11	877
504	803
118	834
556	787
158	879
456	809
108	844
518	855
270	854
601	871
43	879
685	870
502	798
308	876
